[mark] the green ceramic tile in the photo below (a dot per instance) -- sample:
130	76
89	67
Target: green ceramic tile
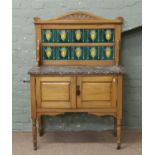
112	35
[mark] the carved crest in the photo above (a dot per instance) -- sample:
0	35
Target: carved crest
78	16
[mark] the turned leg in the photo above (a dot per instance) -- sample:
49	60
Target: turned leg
34	134
118	134
119	111
115	127
40	128
33	111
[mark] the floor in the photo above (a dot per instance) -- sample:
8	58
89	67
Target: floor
78	143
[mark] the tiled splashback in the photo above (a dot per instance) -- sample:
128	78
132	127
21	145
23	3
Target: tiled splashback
50	37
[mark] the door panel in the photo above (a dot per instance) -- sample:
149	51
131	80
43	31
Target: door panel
97	92
56	92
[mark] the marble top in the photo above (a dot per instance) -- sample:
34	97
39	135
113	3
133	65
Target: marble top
74	70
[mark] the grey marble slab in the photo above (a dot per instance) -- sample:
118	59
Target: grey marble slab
74	70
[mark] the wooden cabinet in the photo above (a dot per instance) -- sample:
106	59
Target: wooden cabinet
78	69
76	92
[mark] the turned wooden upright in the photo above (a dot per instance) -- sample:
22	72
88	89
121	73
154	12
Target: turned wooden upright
78	69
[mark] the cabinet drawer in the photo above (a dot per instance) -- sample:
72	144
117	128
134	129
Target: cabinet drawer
97	92
56	92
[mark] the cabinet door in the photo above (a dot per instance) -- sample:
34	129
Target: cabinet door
56	92
96	92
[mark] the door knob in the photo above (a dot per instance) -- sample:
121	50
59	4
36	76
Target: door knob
77	90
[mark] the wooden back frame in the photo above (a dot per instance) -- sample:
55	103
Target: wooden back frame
78	20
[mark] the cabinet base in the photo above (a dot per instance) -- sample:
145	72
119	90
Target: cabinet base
41	132
34	147
118	146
